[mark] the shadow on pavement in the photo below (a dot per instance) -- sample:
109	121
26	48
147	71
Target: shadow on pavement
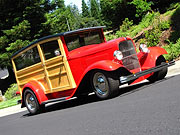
92	98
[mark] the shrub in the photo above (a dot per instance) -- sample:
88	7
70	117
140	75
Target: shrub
110	37
11	91
125	28
153	36
164	25
173	50
142	41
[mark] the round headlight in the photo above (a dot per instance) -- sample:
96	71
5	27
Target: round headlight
118	55
143	48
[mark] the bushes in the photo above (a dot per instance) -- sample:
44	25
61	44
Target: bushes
125	28
164	25
150	29
128	29
173	50
11	91
153	35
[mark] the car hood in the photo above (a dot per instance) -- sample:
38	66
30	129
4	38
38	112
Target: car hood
92	49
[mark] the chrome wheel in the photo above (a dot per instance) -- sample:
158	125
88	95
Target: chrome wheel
30	102
105	84
100	84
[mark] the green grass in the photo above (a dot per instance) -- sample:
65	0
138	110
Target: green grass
8	103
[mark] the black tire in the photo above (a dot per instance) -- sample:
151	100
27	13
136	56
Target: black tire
160	74
32	103
105	84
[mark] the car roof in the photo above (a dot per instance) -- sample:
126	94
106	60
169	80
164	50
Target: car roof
57	35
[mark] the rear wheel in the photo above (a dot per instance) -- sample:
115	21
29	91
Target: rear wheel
105	84
32	103
160	74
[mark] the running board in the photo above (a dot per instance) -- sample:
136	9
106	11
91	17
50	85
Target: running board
54	100
126	79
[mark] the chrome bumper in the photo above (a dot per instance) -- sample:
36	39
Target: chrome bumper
126	79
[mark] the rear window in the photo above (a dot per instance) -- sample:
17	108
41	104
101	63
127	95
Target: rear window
27	58
82	39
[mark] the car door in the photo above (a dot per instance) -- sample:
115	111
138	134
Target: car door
56	67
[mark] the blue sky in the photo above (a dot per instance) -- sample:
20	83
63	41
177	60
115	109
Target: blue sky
76	2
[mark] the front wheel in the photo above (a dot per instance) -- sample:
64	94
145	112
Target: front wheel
105	84
160	74
32	103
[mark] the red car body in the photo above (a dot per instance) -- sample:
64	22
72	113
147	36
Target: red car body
86	60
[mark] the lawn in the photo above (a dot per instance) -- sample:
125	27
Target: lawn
8	103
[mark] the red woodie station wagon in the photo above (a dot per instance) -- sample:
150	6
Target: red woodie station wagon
75	63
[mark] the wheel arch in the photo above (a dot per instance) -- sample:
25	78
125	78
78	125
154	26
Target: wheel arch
37	88
148	60
160	58
104	65
121	71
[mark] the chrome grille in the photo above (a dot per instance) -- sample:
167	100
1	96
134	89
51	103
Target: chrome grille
130	59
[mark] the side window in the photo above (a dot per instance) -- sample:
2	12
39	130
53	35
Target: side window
72	42
78	40
50	49
27	58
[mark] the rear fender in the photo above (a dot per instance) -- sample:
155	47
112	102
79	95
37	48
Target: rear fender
148	60
38	90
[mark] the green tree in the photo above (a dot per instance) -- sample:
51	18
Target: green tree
20	22
85	9
115	11
95	9
12	40
142	7
61	20
14	12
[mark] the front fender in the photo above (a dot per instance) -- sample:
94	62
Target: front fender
38	90
107	65
148	60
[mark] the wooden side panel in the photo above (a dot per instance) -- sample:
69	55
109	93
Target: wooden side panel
54	73
34	72
57	74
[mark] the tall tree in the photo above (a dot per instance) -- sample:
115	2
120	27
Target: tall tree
61	20
85	9
95	9
115	11
20	22
142	7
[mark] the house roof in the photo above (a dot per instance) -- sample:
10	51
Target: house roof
57	35
3	73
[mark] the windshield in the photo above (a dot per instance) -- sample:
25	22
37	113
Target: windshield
82	39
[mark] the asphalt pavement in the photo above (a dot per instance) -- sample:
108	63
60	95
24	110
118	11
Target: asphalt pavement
173	70
142	109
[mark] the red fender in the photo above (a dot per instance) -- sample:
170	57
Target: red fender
38	90
107	65
148	60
